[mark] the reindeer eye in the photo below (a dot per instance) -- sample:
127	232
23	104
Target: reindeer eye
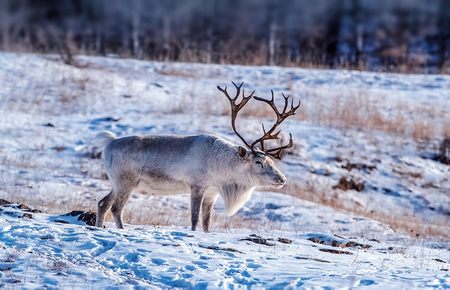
259	163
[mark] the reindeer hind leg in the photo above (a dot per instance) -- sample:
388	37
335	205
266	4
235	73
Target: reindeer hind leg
104	205
118	206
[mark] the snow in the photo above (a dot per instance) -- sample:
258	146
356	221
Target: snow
38	252
50	113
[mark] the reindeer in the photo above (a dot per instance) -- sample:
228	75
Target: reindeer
204	165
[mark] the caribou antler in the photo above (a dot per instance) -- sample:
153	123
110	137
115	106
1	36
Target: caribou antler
236	107
271	134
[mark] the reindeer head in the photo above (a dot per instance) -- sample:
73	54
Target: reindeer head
259	168
256	156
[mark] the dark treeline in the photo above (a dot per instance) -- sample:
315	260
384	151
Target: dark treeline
408	35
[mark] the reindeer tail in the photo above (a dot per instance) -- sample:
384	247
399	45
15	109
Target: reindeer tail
103	139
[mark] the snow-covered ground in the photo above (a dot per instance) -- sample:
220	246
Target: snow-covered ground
50	112
40	252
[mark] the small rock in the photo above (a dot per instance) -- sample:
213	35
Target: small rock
27	216
313	259
167	244
24	207
27	208
86	217
338	242
333	251
4	202
284	240
217	248
258	240
20	206
59	148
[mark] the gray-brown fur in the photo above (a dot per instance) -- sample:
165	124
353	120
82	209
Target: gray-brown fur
204	165
207	206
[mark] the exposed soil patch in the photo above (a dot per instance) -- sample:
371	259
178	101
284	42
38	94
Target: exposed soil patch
358	166
87	217
20	206
349	184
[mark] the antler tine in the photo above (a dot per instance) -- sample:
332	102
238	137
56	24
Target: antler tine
251	94
261	143
298	106
224	91
276	152
289	145
286	101
236	106
280	117
238	89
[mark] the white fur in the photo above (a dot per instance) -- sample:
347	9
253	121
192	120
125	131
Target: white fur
102	140
234	197
169	164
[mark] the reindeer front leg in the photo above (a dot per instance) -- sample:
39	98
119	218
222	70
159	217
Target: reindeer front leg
207	206
197	194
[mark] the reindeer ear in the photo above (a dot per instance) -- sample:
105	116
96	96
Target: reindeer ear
242	151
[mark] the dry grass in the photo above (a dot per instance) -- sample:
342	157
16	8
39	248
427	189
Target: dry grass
346	109
365	111
176	72
406	223
150	212
156	216
58	266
